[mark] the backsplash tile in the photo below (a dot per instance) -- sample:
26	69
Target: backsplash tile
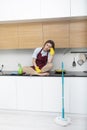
11	58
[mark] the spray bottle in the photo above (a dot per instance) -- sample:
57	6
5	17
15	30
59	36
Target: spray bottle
20	69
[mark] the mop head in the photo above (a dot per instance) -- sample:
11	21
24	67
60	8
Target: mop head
63	121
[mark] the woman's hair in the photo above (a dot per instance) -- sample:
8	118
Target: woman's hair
51	42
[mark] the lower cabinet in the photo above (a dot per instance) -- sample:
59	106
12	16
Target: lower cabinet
29	93
78	95
52	94
43	93
7	92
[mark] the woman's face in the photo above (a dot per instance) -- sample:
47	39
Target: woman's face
47	47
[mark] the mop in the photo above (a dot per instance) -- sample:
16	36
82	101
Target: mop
63	121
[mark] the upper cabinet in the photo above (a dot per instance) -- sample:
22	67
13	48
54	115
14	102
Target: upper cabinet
33	9
39	9
20	36
57	31
78	7
8	36
78	33
30	35
55	8
19	9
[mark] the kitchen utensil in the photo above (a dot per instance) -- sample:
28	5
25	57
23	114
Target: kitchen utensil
81	59
74	63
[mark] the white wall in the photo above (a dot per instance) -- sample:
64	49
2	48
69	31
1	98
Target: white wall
11	58
67	57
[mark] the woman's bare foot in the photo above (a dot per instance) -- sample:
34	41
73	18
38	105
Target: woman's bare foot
44	74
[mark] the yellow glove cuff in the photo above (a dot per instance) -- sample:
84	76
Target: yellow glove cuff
52	52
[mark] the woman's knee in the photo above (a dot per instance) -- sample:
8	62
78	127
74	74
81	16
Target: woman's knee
25	68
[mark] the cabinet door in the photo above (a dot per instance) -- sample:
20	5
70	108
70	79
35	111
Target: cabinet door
78	95
78	34
7	92
78	7
52	94
57	31
19	10
30	35
29	93
55	8
8	36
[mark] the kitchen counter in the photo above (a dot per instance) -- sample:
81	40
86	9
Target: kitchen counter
71	74
52	74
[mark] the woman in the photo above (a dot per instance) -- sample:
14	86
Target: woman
42	59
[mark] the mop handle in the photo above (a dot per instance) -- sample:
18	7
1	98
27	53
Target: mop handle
62	90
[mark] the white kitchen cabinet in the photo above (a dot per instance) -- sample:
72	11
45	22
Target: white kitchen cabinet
52	94
41	94
78	95
7	92
78	7
19	9
29	93
55	8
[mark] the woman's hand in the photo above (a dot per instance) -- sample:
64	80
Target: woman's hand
52	52
37	69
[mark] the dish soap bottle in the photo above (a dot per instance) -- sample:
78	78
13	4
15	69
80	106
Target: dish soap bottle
20	70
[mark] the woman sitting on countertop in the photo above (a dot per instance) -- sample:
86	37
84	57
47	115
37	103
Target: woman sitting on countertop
42	59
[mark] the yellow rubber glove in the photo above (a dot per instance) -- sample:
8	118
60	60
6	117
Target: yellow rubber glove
52	52
37	69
